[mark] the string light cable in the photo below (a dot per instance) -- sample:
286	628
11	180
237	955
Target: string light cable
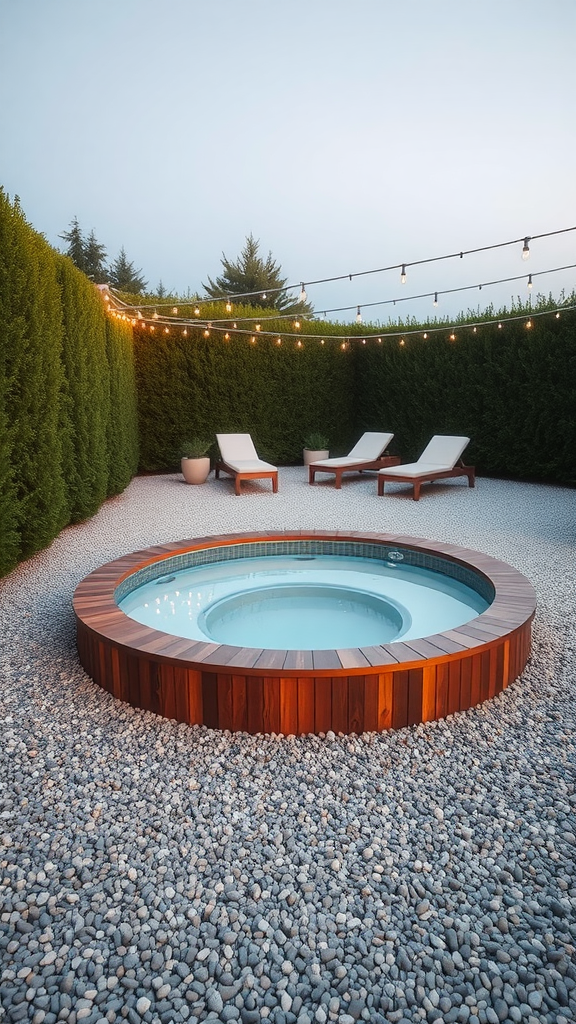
302	285
134	310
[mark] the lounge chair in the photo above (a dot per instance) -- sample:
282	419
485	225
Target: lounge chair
239	459
439	460
366	454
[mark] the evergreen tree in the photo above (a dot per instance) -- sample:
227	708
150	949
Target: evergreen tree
124	277
95	260
76	245
257	279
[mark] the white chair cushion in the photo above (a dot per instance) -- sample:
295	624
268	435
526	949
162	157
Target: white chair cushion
370	446
444	451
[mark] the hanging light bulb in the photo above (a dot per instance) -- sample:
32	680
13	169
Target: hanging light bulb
155	315
402	342
358	316
226	336
452	336
529	282
228	306
435	303
299	343
278	341
425	335
297	324
526	248
175	310
196	310
258	326
303	295
206	333
139	315
528	323
185	333
403	274
263	295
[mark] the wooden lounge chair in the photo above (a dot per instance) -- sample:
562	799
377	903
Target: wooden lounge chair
366	454
239	459
439	460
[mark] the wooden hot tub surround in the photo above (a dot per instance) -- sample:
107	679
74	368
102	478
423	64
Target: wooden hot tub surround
352	690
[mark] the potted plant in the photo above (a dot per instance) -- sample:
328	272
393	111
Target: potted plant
195	461
315	447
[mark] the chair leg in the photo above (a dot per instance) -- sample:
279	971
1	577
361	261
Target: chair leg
416	494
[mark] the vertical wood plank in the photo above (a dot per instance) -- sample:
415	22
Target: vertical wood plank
181	694
339	704
429	693
356	704
400	699
414	709
255	701
271	704
442	690
475	681
322	704
210	699
465	683
239	704
485	675
225	701
195	703
305	704
454	686
370	703
289	706
385	692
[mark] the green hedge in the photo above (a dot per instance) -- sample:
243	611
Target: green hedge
68	428
511	390
194	385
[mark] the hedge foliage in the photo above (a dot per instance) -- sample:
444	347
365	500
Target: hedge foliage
196	386
68	429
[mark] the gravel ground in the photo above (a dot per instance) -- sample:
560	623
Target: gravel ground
158	872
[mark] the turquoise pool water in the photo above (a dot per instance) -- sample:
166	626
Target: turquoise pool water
312	602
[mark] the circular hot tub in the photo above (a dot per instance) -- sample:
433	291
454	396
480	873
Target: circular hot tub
304	632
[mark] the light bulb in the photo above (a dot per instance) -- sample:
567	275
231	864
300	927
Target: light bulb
263	295
303	295
425	335
526	249
258	327
435	303
226	336
175	310
358	316
528	323
297	324
403	274
228	306
402	342
196	311
529	282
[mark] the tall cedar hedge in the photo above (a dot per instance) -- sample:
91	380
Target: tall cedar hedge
68	429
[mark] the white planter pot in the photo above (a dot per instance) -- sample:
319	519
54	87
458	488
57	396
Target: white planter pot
312	456
195	471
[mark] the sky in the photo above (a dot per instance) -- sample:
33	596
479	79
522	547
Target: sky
346	137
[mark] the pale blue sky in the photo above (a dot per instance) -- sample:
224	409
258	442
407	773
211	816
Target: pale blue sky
345	136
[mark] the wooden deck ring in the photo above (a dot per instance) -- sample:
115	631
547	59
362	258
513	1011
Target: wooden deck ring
294	692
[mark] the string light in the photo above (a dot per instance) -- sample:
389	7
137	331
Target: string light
226	336
303	295
228	306
529	282
452	336
435	303
526	248
528	323
196	311
358	316
297	325
403	274
258	326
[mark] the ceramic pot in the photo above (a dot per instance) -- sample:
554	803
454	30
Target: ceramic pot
195	471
